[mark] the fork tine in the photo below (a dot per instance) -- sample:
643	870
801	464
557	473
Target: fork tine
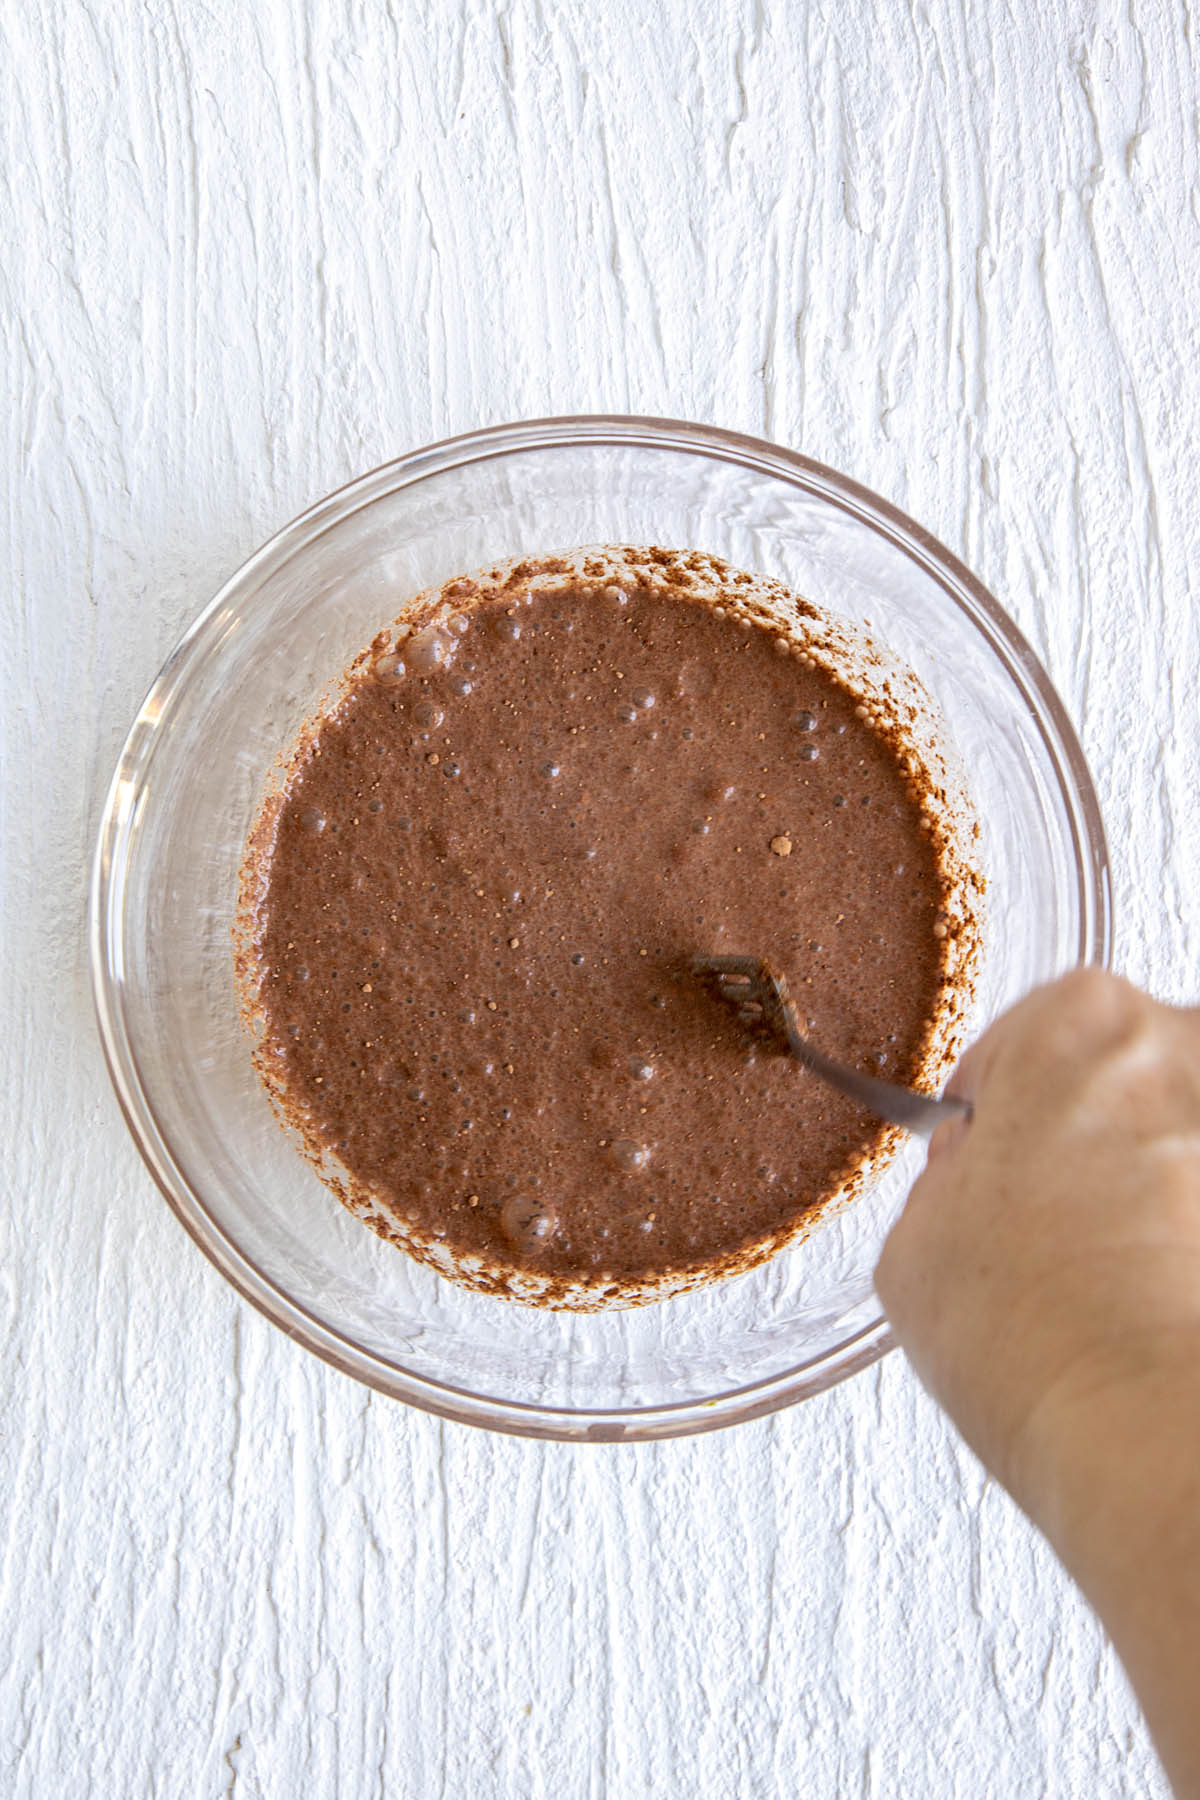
745	966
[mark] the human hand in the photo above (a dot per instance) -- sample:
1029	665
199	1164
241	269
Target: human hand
1044	1278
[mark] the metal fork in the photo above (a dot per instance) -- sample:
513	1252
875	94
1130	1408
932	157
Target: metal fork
761	996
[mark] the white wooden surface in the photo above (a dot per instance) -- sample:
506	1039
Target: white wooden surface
247	251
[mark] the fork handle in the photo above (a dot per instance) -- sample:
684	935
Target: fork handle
919	1113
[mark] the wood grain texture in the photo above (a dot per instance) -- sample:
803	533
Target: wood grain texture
247	252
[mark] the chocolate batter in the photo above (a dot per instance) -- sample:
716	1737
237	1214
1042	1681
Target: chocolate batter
474	905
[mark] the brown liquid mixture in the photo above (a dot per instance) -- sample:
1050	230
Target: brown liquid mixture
477	901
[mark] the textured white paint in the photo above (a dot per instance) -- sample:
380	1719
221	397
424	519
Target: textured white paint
246	251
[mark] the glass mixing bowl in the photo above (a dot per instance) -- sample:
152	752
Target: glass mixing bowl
231	699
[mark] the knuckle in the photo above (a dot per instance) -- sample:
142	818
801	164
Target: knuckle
1146	1079
1179	1177
1090	994
1089	1011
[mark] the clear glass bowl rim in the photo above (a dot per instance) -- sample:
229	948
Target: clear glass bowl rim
105	920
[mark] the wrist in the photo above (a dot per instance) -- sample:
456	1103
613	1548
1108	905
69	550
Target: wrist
1114	1450
1114	1483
